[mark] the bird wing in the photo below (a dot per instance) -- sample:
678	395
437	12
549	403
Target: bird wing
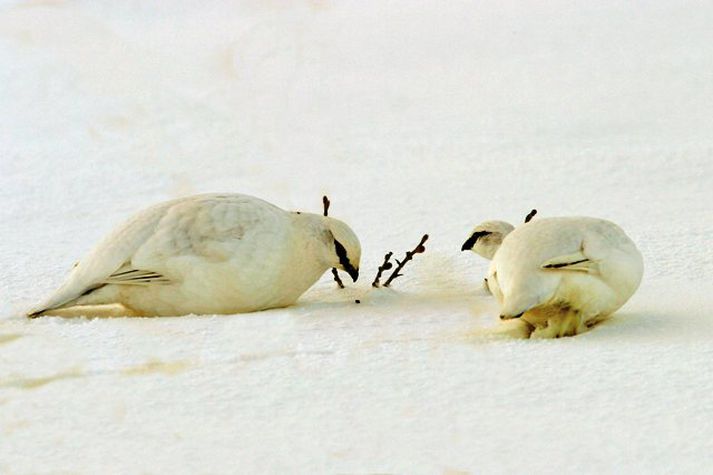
107	258
126	275
577	261
212	229
162	243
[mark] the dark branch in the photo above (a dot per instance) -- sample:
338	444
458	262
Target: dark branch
409	255
337	279
335	274
325	204
530	215
385	266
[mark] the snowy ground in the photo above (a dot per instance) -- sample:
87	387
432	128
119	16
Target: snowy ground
413	117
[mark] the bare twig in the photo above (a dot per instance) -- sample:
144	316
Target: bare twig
335	274
530	215
409	255
385	266
325	204
337	279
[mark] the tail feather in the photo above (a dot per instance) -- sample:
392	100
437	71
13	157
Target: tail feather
36	313
56	300
62	299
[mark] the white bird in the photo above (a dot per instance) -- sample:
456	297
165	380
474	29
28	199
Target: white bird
209	254
559	276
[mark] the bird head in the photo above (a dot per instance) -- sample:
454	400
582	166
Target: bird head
346	250
487	237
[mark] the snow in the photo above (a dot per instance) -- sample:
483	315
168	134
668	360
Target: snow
413	118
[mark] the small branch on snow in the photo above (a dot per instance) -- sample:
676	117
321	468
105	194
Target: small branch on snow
335	274
530	215
385	266
409	255
337	279
325	204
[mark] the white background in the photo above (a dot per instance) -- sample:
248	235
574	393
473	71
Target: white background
413	117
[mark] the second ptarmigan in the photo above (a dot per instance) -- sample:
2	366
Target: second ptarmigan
558	276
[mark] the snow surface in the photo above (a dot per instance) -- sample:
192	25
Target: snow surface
413	117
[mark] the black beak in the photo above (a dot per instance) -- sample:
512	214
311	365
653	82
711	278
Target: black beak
353	273
505	317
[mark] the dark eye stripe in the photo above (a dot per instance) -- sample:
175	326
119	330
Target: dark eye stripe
342	255
474	238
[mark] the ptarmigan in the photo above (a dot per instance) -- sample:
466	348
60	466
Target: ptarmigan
209	254
559	276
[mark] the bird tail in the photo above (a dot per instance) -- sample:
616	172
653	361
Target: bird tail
68	297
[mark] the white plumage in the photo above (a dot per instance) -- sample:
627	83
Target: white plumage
205	254
561	276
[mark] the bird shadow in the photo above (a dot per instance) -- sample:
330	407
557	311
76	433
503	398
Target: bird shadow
360	299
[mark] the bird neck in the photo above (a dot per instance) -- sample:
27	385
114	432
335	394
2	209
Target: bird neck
314	238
